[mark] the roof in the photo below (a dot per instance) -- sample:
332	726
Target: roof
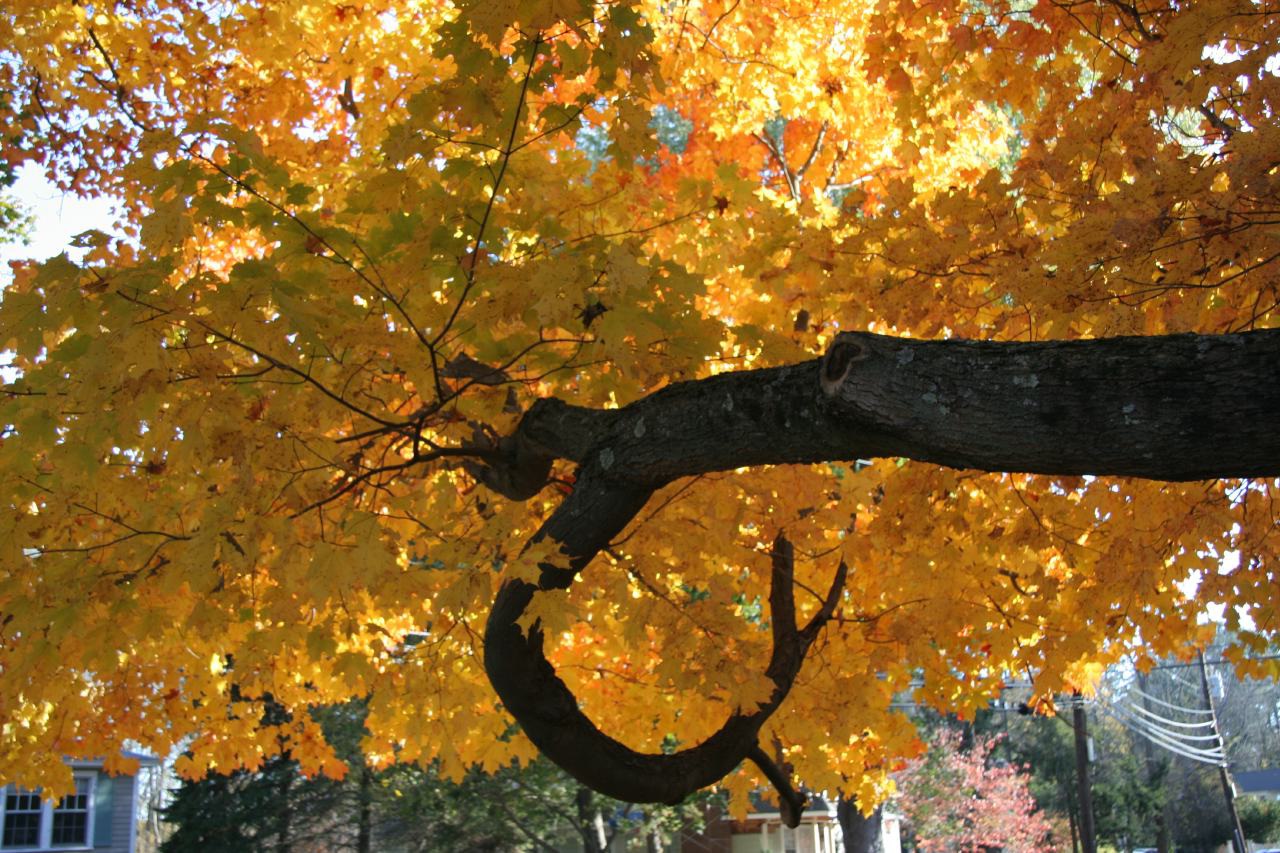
1258	781
143	759
817	807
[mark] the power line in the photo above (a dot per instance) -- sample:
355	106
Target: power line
1170	742
1179	708
1222	662
1186	732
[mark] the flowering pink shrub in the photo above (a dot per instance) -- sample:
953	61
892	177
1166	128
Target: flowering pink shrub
963	801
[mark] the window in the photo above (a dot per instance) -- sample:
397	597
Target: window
71	818
30	824
22	811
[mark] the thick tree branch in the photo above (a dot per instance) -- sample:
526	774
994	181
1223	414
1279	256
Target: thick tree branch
1175	407
1180	407
550	430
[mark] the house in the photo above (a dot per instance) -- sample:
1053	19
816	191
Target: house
1265	783
99	816
762	831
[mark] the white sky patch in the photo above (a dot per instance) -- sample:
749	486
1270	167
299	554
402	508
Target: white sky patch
59	216
1216	611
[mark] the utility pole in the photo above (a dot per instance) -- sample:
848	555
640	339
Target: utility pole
1088	838
1228	790
1155	770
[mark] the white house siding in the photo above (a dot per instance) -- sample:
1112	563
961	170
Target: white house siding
811	836
122	814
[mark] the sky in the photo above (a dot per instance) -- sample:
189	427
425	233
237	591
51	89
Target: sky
59	216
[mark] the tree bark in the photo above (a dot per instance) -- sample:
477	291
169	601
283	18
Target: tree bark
1178	407
364	811
284	829
590	822
862	834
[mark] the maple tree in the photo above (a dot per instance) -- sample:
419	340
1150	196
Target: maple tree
526	330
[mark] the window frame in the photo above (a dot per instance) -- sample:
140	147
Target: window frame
86	783
38	811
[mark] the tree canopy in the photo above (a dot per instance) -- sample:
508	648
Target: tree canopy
654	385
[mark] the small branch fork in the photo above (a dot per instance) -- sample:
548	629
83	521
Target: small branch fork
790	645
794	178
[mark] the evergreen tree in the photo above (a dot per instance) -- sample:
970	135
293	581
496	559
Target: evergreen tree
405	807
240	813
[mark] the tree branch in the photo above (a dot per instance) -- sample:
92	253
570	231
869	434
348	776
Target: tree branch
549	714
813	153
1177	407
1173	407
478	243
775	149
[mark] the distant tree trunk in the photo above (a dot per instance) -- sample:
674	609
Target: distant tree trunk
1155	775
861	834
364	827
1071	818
283	842
152	797
590	822
653	841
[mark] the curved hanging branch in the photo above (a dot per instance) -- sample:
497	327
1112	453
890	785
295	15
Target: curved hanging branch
550	717
1176	407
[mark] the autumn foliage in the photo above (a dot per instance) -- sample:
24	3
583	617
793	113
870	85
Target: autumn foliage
244	429
958	798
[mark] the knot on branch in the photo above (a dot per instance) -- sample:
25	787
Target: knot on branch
517	470
845	351
551	429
